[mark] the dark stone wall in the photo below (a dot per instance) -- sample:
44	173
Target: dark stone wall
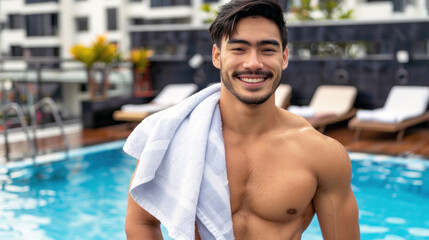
373	76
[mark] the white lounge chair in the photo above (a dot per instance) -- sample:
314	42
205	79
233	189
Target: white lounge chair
170	95
283	94
405	106
329	104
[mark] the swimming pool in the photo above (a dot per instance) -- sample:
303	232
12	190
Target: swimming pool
85	197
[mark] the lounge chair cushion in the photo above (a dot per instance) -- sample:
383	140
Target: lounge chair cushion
149	107
328	100
174	93
336	100
169	95
402	103
385	116
282	95
303	111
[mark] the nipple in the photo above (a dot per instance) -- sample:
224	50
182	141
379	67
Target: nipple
291	211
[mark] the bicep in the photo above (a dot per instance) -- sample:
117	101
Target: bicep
338	215
139	224
334	202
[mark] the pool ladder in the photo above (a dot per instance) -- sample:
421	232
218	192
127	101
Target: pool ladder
5	110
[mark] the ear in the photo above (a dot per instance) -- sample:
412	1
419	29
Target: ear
216	56
285	58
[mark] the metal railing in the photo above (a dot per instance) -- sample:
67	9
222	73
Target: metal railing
5	110
47	101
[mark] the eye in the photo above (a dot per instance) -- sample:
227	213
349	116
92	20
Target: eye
237	49
269	50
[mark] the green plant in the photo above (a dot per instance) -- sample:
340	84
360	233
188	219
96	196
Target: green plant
303	10
331	9
142	84
328	8
345	14
139	58
211	13
100	51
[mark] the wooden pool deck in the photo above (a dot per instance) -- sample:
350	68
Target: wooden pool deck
415	141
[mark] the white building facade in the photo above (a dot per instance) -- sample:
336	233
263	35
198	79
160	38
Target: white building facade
51	27
48	28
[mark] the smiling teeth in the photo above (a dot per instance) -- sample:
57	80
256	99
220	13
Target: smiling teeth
252	80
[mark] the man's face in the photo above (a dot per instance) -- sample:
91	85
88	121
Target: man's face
252	60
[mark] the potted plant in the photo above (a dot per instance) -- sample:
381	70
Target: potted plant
101	53
142	83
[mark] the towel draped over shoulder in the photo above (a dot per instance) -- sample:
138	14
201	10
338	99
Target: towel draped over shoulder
181	176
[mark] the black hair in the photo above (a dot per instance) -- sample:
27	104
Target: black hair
229	14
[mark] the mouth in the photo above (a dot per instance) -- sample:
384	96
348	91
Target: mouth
252	80
253	77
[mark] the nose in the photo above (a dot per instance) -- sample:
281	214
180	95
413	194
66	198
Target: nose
253	61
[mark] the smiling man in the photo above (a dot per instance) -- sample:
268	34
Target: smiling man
280	170
252	60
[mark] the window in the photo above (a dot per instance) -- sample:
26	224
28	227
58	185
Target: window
39	1
112	19
398	5
163	3
52	52
136	21
81	24
16	21
141	21
42	24
343	50
16	51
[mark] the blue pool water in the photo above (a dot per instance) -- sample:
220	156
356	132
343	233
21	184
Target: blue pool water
85	197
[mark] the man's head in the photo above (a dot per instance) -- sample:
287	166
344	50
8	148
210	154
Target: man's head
250	49
229	14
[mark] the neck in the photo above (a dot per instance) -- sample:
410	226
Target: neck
245	119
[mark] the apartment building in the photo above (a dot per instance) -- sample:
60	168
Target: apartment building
48	28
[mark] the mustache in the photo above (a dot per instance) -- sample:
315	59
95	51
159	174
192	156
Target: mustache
248	72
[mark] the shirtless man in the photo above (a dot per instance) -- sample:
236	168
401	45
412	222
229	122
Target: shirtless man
281	171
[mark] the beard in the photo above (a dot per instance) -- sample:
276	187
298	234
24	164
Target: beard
249	100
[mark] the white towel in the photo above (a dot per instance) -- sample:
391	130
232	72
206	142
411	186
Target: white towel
181	177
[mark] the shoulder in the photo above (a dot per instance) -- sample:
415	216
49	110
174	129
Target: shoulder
301	130
326	156
332	165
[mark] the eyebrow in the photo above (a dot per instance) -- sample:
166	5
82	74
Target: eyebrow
259	43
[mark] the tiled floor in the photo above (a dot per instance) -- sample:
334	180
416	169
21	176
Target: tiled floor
415	142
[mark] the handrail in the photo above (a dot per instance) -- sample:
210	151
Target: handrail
18	109
51	103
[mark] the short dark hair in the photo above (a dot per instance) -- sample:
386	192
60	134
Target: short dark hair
225	24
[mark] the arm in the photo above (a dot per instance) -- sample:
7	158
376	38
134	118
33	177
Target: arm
139	224
334	202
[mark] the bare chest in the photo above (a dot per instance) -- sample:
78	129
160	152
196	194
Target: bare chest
269	183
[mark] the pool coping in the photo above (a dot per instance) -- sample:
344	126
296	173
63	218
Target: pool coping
60	156
75	152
